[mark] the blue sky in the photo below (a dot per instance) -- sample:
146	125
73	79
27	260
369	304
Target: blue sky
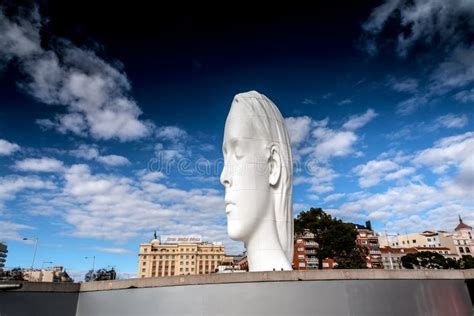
109	132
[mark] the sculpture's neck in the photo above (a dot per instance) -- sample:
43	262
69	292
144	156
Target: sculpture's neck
264	252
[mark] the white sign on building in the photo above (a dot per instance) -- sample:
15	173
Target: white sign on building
177	239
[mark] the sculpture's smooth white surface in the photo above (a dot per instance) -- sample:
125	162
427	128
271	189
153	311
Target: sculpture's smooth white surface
257	177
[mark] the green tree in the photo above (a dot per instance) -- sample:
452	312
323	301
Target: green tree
467	262
336	239
428	260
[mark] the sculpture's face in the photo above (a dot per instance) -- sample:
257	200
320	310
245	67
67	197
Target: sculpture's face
245	178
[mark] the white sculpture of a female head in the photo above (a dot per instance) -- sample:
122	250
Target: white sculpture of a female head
257	177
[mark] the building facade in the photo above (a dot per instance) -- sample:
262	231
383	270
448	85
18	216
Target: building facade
452	245
180	256
392	257
55	274
304	254
367	238
462	239
3	254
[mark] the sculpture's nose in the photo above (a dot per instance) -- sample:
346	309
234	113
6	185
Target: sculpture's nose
226	180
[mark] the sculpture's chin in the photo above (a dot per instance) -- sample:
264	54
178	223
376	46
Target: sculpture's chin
234	230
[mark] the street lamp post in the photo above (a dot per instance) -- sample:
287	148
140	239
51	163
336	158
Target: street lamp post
34	253
93	262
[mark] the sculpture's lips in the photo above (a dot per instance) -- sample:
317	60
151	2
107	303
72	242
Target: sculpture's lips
229	206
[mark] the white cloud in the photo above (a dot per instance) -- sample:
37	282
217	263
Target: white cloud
113	250
423	21
371	173
449	151
40	165
21	38
88	152
456	71
414	205
298	128
465	96
358	121
91	152
412	104
334	197
399	174
12	184
398	200
171	133
436	25
11	231
314	144
309	101
113	160
409	85
167	155
332	143
7	148
344	102
453	120
319	179
117	208
94	92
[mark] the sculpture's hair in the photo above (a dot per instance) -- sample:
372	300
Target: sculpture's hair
270	125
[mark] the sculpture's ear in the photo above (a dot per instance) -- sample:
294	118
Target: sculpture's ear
274	164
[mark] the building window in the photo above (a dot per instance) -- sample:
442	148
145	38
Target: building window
143	270
414	241
429	239
144	257
461	250
145	249
144	263
468	250
300	256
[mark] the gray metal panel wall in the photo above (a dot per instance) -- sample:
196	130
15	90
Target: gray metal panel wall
38	303
338	297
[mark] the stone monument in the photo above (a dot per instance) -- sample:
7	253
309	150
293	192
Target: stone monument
257	177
